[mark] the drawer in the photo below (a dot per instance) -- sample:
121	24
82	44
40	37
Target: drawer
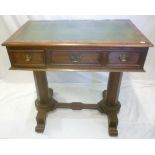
27	58
125	59
75	57
78	58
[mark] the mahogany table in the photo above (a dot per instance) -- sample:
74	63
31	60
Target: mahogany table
115	46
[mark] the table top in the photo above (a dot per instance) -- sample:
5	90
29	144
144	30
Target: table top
78	32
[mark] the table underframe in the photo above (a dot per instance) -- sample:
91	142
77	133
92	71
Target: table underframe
108	105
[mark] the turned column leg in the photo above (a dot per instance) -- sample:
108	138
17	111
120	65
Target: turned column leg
110	104
44	101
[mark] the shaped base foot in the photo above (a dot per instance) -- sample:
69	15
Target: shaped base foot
111	111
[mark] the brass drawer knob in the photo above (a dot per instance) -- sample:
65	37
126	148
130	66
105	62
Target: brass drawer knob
28	58
75	58
123	58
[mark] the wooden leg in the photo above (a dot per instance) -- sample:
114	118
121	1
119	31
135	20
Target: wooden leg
44	101
110	104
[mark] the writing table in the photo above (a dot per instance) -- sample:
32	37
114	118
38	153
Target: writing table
115	46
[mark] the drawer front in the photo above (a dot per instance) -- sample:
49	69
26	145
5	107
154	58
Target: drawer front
75	58
27	58
125	59
78	58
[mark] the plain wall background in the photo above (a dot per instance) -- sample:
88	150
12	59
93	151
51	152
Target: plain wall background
9	24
